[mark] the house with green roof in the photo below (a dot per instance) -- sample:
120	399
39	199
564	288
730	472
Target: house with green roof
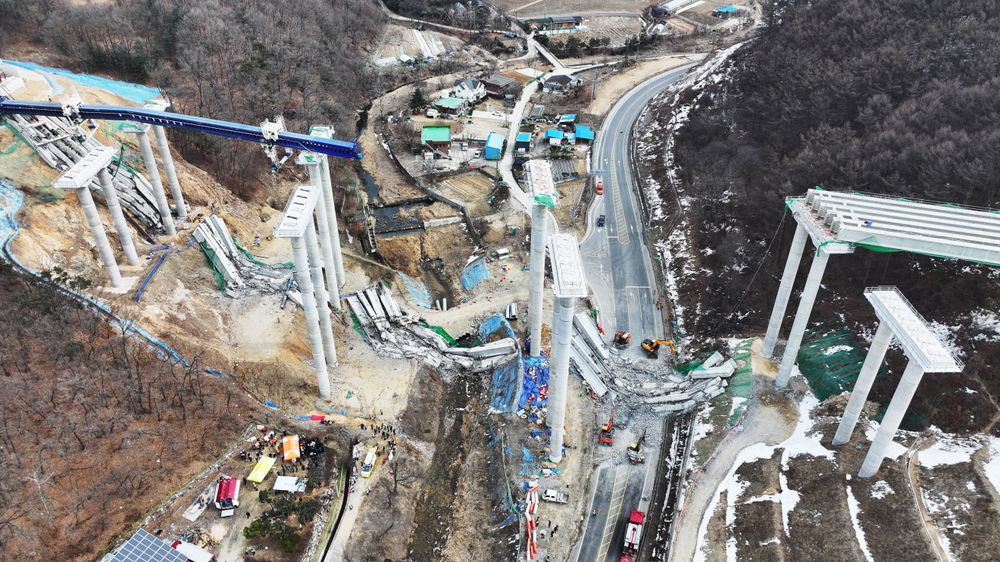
437	137
451	105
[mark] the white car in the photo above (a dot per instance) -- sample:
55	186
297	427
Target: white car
554	496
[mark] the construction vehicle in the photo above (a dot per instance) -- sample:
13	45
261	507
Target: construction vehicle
652	347
634	451
554	496
622	339
607	435
633	534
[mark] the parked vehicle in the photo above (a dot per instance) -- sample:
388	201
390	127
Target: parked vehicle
433	113
554	496
601	220
633	534
599	186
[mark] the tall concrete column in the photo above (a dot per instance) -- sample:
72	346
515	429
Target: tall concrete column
319	287
118	217
331	216
97	230
562	337
874	359
893	416
168	166
802	316
325	240
536	277
154	179
784	290
301	259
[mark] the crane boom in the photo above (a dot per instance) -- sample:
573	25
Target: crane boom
238	131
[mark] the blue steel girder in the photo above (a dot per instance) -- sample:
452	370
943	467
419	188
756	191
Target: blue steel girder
239	131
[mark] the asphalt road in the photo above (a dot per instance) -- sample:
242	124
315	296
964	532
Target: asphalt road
620	274
619	269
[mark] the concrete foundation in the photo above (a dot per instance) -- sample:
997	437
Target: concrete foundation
536	277
562	338
168	166
97	230
118	217
784	290
874	359
154	180
802	317
322	298
893	416
302	277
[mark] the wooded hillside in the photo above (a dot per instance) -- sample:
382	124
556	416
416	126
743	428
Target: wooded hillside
892	97
95	429
238	60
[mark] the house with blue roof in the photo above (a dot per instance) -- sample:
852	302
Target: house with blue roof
554	136
522	143
584	133
494	146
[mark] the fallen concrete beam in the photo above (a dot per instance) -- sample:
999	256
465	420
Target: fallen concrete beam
585	326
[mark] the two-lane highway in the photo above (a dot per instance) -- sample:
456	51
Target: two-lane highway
619	269
620	274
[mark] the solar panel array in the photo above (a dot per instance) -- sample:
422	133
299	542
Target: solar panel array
144	547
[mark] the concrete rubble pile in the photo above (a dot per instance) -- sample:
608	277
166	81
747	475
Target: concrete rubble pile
394	333
652	385
241	275
61	144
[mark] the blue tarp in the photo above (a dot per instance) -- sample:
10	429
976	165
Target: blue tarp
505	381
418	291
133	92
568	118
553	134
475	273
726	10
583	132
535	383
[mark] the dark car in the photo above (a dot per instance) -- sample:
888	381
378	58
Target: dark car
600	220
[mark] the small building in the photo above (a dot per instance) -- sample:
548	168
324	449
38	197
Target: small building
554	136
436	137
469	89
584	133
290	450
494	146
726	12
193	552
227	495
522	142
498	85
559	84
260	470
555	24
536	115
451	105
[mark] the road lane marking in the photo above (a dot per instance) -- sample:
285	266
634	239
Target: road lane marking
614	511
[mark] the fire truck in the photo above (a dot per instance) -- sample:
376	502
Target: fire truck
633	534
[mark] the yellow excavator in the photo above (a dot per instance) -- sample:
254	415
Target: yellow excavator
652	347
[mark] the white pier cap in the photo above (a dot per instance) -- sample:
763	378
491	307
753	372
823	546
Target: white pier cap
937	229
543	187
567	267
86	169
298	212
920	344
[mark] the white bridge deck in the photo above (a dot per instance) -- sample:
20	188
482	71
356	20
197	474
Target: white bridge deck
837	222
910	328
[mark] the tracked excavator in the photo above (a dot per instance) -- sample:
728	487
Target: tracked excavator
652	347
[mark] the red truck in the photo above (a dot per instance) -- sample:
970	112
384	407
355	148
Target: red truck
633	534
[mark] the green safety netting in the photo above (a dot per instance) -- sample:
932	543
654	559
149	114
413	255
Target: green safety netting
245	252
210	255
830	359
441	332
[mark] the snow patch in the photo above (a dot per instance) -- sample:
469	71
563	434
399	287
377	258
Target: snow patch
855	508
881	489
948	450
986	321
894	450
837	349
992	466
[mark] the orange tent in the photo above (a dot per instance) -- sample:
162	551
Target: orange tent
290	448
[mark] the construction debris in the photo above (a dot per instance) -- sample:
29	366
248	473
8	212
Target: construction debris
241	275
61	144
394	333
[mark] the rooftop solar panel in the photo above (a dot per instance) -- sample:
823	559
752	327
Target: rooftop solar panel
144	547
